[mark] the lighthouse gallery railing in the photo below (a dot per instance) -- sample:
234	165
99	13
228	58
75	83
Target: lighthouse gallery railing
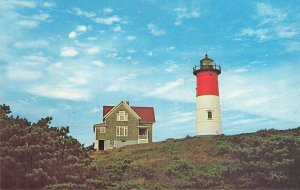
198	68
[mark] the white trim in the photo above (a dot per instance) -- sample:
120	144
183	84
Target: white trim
118	131
143	140
127	106
122	116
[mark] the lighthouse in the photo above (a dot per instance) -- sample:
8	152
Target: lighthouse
208	112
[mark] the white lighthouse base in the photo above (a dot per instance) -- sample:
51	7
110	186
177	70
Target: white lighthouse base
208	123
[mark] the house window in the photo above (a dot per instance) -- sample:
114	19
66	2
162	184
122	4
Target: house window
102	129
122	116
143	131
122	131
209	114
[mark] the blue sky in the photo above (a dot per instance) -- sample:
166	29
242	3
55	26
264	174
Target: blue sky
66	59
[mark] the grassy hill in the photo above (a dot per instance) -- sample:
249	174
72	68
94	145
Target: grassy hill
265	159
40	156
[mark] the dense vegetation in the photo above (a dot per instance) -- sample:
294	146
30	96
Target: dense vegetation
40	156
265	159
35	155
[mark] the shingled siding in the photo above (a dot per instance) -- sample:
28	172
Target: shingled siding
132	124
110	124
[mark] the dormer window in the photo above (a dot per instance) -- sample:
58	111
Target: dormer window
122	116
209	115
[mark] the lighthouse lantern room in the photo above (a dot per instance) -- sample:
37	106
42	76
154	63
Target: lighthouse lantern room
208	112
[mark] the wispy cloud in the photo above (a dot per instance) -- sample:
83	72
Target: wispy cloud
183	13
60	92
171	66
155	30
95	110
31	44
92	50
49	4
68	52
80	12
80	29
22	74
24	4
293	46
41	17
242	92
107	10
97	62
182	117
165	89
121	84
130	38
28	23
117	29
272	24
107	20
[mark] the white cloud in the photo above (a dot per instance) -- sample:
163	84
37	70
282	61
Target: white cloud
165	89
72	35
107	10
95	110
122	84
171	68
107	20
275	96
130	38
286	31
31	44
182	117
93	50
177	90
49	4
40	58
40	17
117	28
17	73
155	30
293	46
24	4
261	34
68	52
80	29
269	14
28	23
78	79
80	12
60	92
273	23
240	70
183	13
99	63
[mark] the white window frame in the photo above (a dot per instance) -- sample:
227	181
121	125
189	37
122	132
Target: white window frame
122	116
102	130
121	128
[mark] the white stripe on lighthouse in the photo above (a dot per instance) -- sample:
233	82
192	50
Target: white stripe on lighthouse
205	125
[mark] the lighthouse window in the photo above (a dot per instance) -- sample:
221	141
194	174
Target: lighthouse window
209	114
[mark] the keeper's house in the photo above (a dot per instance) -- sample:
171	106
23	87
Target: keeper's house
124	125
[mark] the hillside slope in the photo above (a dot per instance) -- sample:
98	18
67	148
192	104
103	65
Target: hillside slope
267	158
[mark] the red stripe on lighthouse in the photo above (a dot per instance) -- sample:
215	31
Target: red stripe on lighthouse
207	83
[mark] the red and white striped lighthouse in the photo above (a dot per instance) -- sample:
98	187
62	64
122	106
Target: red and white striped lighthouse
208	112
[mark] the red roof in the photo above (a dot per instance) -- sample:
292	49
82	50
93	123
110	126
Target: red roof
146	113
